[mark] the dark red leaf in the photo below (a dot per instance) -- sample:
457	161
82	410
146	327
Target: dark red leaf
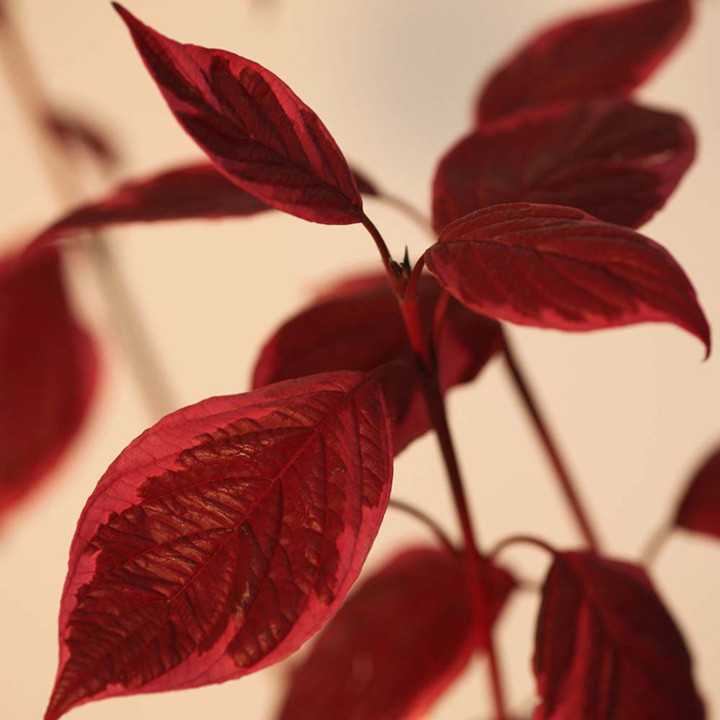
607	52
197	190
357	326
617	161
73	131
396	645
48	369
222	538
606	647
252	126
557	267
700	506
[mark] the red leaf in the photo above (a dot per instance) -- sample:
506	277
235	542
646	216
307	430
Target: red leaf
557	267
357	326
222	538
700	506
48	372
607	52
396	645
617	161
72	131
606	647
252	126
197	190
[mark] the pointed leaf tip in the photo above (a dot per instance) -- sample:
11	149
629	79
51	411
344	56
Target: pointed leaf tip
222	538
252	126
557	267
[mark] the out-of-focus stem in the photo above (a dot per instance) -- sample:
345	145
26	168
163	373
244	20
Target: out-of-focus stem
33	103
424	518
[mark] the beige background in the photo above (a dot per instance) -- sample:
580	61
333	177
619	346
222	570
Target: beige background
635	408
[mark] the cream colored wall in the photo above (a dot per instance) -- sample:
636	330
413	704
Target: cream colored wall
635	408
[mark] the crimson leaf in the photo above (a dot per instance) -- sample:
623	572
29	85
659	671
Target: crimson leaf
396	645
700	507
252	126
608	52
222	538
48	369
357	326
606	647
196	190
617	161
557	267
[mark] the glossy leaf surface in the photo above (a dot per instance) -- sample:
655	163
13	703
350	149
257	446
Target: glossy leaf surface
396	645
606	647
196	190
700	507
557	267
616	161
222	538
48	369
357	326
252	126
609	52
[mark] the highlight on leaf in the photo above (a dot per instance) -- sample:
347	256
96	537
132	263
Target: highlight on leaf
252	126
609	52
615	160
558	267
699	509
222	538
357	325
48	372
397	644
191	191
606	647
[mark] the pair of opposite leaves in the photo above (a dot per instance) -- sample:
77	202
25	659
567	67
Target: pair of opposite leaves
223	113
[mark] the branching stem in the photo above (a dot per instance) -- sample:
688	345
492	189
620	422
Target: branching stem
479	578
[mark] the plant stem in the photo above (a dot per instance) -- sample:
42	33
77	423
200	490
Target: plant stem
480	581
32	100
655	544
379	243
479	578
562	474
424	518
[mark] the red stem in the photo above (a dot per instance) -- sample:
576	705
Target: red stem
478	577
380	243
567	485
480	581
424	518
